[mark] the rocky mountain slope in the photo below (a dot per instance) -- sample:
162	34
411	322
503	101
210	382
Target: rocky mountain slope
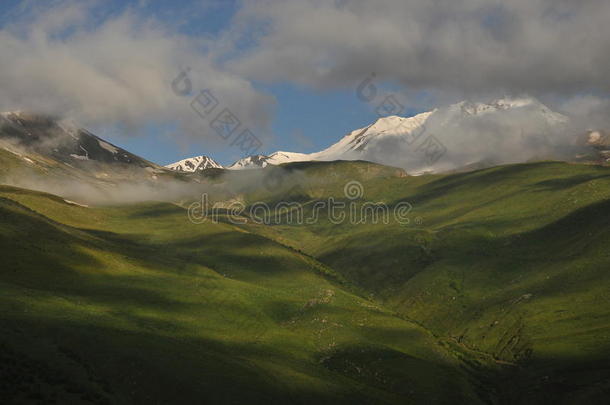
48	154
62	140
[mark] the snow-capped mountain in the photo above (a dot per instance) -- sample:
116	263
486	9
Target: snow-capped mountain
502	131
194	164
62	140
359	141
276	158
250	162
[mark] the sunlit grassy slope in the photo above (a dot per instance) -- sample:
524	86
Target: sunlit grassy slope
135	304
510	262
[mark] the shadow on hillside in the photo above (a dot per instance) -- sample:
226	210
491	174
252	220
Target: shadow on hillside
62	360
534	264
477	180
112	365
46	360
571	380
157	210
568	182
490	175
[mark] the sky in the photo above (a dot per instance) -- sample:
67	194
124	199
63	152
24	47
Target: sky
289	71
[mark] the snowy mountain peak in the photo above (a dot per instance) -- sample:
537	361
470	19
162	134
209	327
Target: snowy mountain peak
532	104
394	123
194	164
62	140
399	141
509	102
276	158
250	162
358	141
6	114
502	104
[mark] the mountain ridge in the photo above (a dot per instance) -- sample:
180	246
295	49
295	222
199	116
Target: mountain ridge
63	140
194	164
383	140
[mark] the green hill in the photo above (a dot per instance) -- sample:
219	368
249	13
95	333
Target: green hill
510	263
495	291
135	304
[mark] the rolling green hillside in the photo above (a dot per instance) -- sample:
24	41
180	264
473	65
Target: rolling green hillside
511	263
496	291
135	304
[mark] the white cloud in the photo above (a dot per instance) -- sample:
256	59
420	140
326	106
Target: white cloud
69	60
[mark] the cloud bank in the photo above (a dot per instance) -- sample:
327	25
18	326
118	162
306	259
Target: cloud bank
468	46
67	59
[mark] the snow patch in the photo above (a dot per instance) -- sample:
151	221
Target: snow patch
75	203
108	147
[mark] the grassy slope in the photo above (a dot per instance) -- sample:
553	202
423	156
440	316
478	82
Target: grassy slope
507	270
510	262
135	304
